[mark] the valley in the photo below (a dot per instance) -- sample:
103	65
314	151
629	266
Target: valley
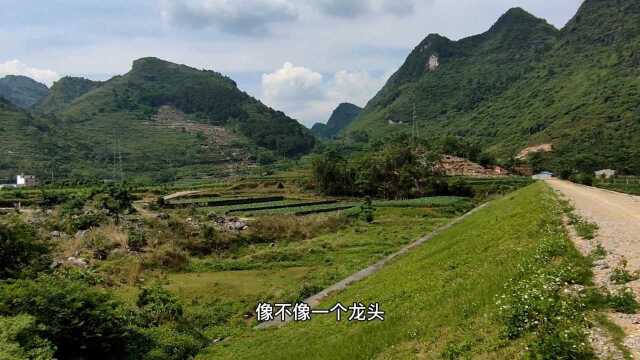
470	197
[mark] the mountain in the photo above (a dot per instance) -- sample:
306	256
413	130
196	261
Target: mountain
160	120
20	135
64	92
341	117
22	91
525	83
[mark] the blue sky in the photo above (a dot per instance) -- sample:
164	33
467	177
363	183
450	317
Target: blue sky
302	57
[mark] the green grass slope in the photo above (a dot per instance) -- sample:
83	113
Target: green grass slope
525	83
441	299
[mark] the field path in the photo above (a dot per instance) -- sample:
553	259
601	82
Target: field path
618	218
617	215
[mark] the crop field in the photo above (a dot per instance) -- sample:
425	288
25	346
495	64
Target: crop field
302	209
212	202
439	296
435	201
625	184
298	207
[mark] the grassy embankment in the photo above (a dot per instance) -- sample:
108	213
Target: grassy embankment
442	299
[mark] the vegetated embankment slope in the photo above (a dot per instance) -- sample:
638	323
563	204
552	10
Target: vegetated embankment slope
439	299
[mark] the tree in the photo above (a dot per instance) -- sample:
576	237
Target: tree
21	251
20	339
116	199
82	322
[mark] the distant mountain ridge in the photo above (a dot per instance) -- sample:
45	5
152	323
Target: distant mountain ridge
22	91
341	117
160	119
525	83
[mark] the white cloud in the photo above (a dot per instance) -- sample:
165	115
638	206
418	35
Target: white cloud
356	8
308	97
292	83
242	17
355	87
16	67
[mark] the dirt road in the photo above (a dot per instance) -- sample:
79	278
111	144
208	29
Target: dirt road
617	215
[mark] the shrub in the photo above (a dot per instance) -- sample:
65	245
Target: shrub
86	221
158	306
99	245
210	241
623	301
116	199
167	256
169	343
137	240
621	276
21	251
599	252
73	205
80	321
20	339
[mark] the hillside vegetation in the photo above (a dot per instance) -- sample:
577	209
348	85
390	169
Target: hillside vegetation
525	83
22	91
341	117
210	97
64	92
157	122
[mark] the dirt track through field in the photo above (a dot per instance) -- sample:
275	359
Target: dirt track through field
618	218
617	215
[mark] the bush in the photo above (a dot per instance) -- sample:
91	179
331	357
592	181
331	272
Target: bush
137	240
167	256
621	276
99	245
169	343
623	301
86	221
116	199
20	339
80	321
158	306
21	251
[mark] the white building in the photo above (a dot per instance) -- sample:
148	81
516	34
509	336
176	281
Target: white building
26	180
545	175
605	174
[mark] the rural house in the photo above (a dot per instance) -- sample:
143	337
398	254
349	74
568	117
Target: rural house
605	174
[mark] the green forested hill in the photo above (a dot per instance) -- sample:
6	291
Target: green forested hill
208	96
20	134
341	117
22	91
64	92
525	83
160	119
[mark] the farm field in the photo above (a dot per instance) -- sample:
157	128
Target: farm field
289	270
628	185
439	300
